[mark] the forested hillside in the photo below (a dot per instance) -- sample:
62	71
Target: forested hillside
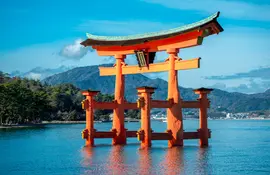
88	77
30	101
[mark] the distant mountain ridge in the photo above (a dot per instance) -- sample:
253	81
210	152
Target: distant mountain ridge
88	78
39	72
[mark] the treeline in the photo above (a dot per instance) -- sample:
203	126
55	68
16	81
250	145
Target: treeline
25	100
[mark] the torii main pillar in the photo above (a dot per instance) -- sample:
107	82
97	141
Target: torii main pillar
118	113
174	114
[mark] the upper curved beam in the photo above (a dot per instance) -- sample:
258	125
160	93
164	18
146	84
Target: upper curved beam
94	40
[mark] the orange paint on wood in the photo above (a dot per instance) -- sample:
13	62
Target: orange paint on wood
185	40
156	67
105	105
161	104
204	104
104	134
191	135
174	114
190	104
145	94
161	136
131	133
89	130
130	105
118	112
184	44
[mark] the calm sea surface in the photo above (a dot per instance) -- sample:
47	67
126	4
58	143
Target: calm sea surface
236	147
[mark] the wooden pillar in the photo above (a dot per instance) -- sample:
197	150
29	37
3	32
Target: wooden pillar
174	114
204	104
144	103
118	113
87	104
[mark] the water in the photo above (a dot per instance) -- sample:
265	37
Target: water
236	147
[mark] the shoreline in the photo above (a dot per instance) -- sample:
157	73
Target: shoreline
62	122
44	123
37	125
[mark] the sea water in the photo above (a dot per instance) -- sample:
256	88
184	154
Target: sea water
236	147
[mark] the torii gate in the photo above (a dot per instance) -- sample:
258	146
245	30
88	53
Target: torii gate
145	46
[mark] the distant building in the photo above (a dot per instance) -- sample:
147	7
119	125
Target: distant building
229	116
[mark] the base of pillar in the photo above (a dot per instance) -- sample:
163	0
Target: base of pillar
120	139
89	143
143	145
203	144
204	135
175	143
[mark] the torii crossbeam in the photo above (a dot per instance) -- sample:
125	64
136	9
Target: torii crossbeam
145	46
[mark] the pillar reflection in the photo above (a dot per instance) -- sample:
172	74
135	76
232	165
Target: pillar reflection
145	161
202	161
168	161
173	161
88	159
116	164
88	155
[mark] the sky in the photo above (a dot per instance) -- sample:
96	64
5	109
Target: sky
47	34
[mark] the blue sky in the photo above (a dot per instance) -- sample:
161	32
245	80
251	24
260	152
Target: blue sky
46	33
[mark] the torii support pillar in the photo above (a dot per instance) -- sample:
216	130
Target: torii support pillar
87	104
118	113
204	104
174	114
144	103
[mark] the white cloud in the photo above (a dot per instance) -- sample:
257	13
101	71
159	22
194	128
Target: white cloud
229	9
34	76
109	60
74	51
249	86
45	55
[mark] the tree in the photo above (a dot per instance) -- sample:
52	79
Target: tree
23	100
133	113
105	113
4	77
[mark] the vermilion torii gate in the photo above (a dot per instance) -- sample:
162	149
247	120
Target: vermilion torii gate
145	46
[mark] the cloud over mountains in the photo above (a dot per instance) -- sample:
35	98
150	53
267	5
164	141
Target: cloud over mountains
75	51
258	80
40	72
263	73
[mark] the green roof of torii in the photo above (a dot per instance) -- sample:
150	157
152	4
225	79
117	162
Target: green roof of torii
112	40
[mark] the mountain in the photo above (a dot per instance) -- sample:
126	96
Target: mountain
88	78
39	72
266	94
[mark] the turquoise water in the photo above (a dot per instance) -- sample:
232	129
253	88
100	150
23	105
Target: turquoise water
236	147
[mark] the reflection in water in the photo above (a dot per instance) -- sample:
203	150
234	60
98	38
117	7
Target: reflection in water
88	155
145	161
202	166
173	161
117	164
88	158
124	160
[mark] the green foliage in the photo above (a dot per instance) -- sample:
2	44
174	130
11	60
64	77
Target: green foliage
30	101
19	104
103	115
4	77
133	113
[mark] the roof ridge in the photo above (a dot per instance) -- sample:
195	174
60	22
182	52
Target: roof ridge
153	34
